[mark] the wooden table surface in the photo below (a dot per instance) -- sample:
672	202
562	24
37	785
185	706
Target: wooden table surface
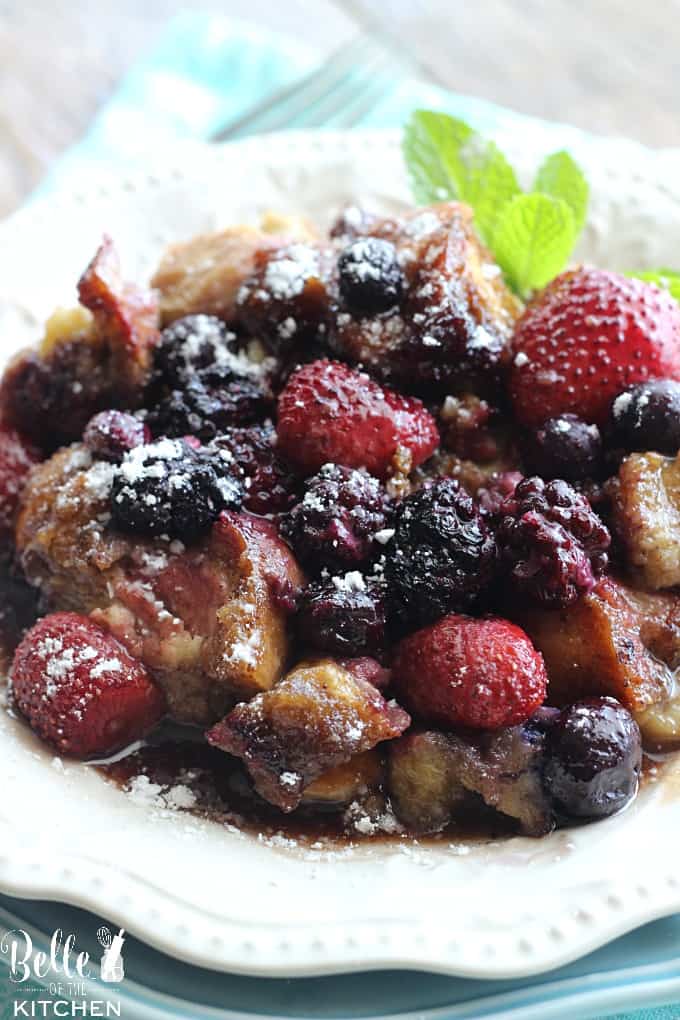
610	66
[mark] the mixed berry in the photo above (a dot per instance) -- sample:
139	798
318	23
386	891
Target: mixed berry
341	502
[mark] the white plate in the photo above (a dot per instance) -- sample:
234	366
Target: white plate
221	898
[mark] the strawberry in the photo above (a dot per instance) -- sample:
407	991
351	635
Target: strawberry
80	689
329	412
589	335
460	671
16	460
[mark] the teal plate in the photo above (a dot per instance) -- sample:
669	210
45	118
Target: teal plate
641	969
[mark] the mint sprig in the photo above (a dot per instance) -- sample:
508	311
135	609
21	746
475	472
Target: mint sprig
530	234
668	279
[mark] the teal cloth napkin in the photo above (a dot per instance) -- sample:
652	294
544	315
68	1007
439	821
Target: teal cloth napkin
206	70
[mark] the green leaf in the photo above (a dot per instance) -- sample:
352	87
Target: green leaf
489	183
446	159
669	279
561	177
533	240
431	147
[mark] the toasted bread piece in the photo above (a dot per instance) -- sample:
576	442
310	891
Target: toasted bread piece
313	720
647	516
344	783
208	621
614	641
422	781
92	358
429	774
206	273
452	330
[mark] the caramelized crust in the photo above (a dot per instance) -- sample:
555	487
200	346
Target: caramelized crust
647	515
615	641
313	720
453	329
92	358
126	318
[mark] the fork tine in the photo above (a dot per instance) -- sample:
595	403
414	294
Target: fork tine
355	109
288	102
357	81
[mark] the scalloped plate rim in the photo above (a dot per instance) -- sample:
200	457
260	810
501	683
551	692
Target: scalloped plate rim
24	880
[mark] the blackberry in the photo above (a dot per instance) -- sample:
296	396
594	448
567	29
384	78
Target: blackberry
647	417
198	411
198	346
565	447
270	487
342	519
443	557
594	757
371	279
345	615
552	543
112	434
170	488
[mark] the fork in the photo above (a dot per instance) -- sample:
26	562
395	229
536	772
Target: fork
337	94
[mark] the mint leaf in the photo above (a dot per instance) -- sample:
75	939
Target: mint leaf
446	159
489	183
431	147
533	240
561	177
669	279
531	236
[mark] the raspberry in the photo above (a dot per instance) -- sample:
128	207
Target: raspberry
565	447
269	485
443	557
329	412
552	542
589	335
336	523
485	674
16	460
80	689
343	616
202	412
112	434
371	279
170	488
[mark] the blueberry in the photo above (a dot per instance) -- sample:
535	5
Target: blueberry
343	616
170	488
647	417
371	279
565	447
594	757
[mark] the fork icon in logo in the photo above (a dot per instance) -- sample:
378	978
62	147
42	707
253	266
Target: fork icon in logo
111	968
